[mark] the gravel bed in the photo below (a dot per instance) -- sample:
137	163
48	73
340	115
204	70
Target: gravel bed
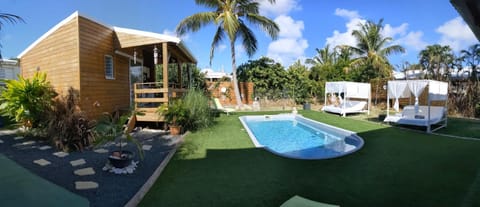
113	190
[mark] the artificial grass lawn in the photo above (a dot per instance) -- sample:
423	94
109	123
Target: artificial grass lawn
220	166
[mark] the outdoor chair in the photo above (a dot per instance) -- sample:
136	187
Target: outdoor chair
219	107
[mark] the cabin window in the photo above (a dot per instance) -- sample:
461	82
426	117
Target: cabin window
2	73
109	73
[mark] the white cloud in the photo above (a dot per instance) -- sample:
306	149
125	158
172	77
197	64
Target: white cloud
291	45
287	50
280	7
413	40
289	28
347	14
400	34
346	38
456	33
389	31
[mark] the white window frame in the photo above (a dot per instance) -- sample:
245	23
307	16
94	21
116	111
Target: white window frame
107	76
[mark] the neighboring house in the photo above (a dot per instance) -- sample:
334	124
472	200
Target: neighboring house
8	70
212	75
102	63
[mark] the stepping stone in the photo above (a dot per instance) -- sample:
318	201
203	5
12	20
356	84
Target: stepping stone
1	141
84	171
60	154
123	144
78	162
18	138
85	185
42	162
146	147
45	147
28	143
101	150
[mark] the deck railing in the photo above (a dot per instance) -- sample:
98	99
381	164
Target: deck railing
149	96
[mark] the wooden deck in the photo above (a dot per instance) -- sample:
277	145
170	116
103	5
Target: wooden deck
149	96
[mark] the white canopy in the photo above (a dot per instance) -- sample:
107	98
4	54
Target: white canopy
350	89
437	91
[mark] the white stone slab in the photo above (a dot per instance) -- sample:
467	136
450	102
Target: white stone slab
45	147
146	147
123	144
41	162
1	141
28	143
85	185
78	162
101	150
84	171
18	138
60	154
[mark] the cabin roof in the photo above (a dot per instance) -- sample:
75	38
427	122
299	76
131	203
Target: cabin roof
139	34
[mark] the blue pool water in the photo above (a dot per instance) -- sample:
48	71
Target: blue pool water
295	136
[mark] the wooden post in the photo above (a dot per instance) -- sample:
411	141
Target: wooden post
179	74
165	64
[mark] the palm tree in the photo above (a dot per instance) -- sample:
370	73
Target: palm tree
10	18
324	56
471	57
372	49
434	59
231	17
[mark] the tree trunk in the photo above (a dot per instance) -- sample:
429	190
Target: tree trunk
234	74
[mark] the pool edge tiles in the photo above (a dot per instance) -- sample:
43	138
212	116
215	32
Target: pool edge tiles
336	142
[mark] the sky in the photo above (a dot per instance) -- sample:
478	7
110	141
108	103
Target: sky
304	25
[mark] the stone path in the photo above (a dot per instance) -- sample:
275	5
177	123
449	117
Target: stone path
45	147
60	154
84	171
42	162
78	162
85	185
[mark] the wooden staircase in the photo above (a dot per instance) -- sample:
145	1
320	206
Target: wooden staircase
149	96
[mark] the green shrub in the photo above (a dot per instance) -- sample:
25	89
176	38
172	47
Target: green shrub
199	111
28	101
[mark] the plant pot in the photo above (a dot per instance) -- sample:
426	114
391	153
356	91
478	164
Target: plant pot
306	106
175	130
120	159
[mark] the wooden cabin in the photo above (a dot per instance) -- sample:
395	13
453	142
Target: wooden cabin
111	68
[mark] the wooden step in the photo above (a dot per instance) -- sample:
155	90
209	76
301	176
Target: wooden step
150	117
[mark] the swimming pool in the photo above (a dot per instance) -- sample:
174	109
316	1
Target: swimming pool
295	136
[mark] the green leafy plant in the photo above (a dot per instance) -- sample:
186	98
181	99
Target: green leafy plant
175	113
111	128
28	101
68	127
199	112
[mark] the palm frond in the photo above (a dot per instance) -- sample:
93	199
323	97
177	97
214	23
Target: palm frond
10	18
264	23
249	42
217	39
195	22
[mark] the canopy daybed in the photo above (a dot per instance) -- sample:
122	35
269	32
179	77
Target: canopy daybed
418	115
345	97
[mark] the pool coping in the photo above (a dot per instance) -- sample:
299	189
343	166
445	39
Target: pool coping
258	145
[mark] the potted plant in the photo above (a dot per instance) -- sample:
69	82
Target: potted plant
112	128
176	114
